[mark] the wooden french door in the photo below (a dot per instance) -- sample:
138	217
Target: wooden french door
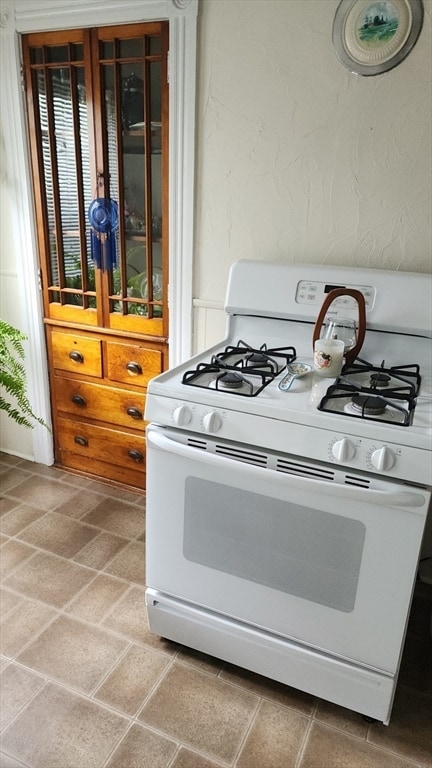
98	117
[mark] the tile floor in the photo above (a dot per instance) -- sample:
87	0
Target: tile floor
84	684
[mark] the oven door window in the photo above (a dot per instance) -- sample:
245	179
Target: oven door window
309	553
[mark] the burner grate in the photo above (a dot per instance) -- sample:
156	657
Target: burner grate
406	377
271	360
210	376
388	396
241	369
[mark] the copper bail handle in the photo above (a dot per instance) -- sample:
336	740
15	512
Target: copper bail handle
351	354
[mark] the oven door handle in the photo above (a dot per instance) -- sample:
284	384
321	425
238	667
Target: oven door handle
403	499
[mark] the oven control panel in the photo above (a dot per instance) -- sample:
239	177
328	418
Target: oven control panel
313	293
354	452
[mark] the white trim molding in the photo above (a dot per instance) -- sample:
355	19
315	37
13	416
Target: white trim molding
22	16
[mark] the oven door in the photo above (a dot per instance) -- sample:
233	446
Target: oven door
325	564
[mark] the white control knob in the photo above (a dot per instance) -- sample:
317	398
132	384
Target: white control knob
212	422
383	458
182	415
343	450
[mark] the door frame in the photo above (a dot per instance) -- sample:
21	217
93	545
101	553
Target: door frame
18	17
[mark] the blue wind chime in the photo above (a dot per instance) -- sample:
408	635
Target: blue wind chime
104	221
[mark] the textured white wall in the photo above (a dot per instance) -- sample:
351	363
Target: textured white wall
297	158
13	438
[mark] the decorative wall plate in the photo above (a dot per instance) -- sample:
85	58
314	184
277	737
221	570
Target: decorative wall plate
373	36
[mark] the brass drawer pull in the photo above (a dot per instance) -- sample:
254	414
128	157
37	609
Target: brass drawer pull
78	400
77	357
134	368
134	413
79	440
135	455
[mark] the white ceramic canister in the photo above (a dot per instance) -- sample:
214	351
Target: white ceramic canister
328	357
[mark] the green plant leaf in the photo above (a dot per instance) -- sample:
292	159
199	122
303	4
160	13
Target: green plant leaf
13	379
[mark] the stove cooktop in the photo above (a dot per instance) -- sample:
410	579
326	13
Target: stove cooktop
363	391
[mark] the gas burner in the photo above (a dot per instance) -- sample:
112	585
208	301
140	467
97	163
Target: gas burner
256	358
379	380
367	405
230	380
354	393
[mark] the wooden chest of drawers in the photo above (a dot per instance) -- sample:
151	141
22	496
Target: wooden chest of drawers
98	391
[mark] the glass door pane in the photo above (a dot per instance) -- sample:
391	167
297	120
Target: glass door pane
131	98
61	137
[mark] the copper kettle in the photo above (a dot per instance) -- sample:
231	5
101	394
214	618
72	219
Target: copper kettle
350	354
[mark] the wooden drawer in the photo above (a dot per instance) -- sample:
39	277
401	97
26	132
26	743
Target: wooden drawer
101	444
132	363
98	403
102	470
80	354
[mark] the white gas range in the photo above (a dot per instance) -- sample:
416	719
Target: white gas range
284	528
